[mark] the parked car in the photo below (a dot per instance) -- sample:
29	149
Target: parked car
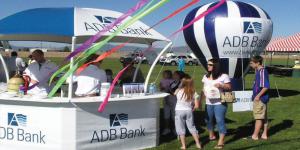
173	60
136	56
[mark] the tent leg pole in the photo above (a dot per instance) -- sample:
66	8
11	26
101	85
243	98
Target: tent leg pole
288	59
271	59
137	69
153	65
5	68
70	88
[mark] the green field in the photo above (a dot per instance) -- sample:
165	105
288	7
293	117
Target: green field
283	112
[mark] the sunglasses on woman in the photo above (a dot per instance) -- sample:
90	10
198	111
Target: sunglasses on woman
210	64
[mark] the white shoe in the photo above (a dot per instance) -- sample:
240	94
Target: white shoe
166	131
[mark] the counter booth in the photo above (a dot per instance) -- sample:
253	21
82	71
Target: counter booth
72	123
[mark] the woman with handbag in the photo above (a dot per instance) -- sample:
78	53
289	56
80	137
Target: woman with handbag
214	84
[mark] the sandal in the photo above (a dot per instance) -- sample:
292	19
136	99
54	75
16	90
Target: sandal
199	147
219	146
250	138
264	138
212	138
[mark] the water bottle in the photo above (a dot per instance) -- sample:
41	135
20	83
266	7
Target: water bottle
21	92
152	88
104	89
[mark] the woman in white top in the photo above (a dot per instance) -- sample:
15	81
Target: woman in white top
186	99
215	82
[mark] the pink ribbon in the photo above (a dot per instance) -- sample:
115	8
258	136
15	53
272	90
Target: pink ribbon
176	12
105	101
199	17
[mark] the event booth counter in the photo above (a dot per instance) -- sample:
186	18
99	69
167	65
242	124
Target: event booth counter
60	124
74	123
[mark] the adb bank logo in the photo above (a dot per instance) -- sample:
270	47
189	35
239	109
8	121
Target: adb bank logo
16	119
118	129
252	27
103	19
118	119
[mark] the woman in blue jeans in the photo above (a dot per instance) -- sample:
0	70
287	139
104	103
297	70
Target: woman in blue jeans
215	82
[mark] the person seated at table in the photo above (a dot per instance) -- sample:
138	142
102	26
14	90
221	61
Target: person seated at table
90	79
128	75
19	64
40	72
109	75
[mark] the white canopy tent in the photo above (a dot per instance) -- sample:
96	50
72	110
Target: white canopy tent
73	25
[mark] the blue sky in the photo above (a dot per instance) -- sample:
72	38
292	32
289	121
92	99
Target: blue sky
284	13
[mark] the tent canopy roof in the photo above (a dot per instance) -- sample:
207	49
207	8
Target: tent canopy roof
290	44
61	24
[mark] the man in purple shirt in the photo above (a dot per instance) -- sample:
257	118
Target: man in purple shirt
260	97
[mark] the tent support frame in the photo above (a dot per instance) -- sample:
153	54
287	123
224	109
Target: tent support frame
70	87
153	65
5	68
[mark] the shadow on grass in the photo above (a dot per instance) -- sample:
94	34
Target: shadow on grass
199	119
283	93
271	143
247	129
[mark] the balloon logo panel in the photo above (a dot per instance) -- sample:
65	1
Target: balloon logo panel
239	38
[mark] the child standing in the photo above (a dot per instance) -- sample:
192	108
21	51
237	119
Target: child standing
260	98
165	87
186	98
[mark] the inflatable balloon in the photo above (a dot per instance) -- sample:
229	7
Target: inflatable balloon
233	33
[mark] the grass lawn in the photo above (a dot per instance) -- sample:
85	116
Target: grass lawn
283	113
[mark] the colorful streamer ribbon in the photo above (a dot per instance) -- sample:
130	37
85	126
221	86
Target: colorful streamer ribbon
102	106
85	55
97	46
94	38
119	46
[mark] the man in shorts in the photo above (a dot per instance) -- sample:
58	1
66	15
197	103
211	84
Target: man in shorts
260	97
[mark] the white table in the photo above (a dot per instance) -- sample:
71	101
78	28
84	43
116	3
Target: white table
57	124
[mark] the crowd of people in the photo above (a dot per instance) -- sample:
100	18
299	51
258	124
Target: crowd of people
178	105
39	69
183	100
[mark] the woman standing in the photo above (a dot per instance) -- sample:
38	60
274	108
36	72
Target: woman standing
215	82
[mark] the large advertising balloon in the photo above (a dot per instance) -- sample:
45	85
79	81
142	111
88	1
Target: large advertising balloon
233	33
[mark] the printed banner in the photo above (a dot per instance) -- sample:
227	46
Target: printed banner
243	101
